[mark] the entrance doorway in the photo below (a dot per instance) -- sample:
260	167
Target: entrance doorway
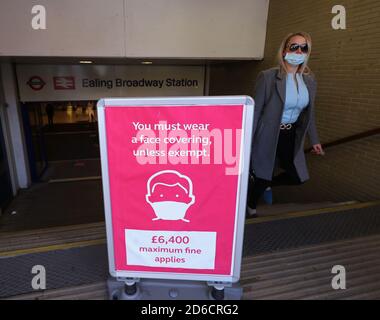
62	139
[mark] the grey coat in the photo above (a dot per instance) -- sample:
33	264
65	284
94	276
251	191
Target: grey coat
269	99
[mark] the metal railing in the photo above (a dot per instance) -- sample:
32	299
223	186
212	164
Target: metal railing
351	138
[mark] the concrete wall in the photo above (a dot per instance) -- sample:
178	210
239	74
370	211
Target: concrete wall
136	28
347	66
233	77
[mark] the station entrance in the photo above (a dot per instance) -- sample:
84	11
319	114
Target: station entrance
62	140
60	125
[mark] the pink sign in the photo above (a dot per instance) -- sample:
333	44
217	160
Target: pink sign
173	179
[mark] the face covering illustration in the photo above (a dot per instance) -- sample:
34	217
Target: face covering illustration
170	195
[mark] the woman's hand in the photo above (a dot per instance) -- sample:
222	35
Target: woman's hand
317	149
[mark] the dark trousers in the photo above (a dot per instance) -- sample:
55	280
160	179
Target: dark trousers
284	158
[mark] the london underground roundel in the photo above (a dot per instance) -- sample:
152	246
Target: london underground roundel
36	83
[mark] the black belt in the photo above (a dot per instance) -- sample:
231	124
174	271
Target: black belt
287	126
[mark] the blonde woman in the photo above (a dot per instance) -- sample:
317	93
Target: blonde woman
284	113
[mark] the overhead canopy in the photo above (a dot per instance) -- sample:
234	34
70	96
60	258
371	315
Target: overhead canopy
212	29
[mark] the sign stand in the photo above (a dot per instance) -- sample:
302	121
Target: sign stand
153	289
175	178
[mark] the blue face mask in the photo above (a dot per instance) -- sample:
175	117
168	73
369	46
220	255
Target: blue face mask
295	59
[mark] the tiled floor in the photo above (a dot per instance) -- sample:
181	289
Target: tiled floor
54	204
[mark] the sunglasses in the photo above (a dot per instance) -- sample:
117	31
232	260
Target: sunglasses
295	46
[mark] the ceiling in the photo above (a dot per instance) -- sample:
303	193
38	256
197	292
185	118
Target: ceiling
114	61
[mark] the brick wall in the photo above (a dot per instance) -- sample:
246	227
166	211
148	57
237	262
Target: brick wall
347	67
346	172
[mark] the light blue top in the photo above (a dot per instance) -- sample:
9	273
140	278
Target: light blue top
296	98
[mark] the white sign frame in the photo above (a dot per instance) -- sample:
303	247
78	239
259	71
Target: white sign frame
241	197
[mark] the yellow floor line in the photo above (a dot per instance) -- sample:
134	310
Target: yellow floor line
75	179
71	227
312	212
63	246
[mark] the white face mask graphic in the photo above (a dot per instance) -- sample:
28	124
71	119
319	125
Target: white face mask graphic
170	195
170	210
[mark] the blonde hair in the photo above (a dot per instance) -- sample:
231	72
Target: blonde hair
303	68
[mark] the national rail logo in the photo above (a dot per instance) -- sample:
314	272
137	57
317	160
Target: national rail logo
64	83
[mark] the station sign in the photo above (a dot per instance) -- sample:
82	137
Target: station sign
92	82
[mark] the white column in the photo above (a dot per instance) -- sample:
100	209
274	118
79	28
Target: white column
8	145
16	132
